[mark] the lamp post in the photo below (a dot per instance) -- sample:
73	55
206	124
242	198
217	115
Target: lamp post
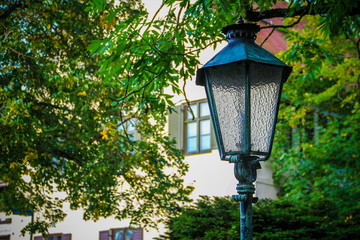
243	84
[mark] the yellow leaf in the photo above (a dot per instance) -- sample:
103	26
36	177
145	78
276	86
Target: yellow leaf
104	134
13	165
48	26
83	93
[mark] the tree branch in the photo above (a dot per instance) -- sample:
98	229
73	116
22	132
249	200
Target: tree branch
284	26
256	16
272	31
67	155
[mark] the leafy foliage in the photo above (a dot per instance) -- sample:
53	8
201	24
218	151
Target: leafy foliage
208	218
311	219
317	147
61	131
218	218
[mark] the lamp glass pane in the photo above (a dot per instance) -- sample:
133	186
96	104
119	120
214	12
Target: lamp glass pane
228	86
265	87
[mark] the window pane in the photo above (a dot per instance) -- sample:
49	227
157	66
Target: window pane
192	144
50	238
205	127
192	129
205	142
129	235
58	238
194	108
204	109
118	235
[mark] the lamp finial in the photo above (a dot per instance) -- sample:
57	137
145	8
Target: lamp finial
240	20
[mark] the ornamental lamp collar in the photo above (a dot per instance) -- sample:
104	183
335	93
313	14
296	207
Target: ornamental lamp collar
241	30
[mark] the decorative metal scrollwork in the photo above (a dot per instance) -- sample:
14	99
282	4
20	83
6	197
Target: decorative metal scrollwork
245	173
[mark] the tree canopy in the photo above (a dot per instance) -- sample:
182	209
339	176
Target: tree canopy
76	75
62	131
317	148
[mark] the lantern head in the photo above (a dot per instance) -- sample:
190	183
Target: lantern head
243	83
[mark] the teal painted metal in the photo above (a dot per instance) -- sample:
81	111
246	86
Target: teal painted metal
242	53
245	173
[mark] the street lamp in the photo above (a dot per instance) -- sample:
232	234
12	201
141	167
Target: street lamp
243	84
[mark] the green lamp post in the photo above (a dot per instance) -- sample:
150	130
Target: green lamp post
243	83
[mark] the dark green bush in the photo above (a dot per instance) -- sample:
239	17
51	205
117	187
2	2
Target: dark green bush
218	218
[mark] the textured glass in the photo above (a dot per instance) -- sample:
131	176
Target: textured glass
194	108
205	127
191	144
264	94
192	129
204	109
228	86
205	142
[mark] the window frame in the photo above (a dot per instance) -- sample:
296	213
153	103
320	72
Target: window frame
198	119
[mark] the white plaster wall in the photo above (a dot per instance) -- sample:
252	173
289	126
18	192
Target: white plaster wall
210	176
13	229
265	187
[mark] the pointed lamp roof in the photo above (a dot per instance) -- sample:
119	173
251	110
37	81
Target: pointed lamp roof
242	47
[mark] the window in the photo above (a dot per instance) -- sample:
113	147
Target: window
197	128
58	236
192	130
5	221
122	234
